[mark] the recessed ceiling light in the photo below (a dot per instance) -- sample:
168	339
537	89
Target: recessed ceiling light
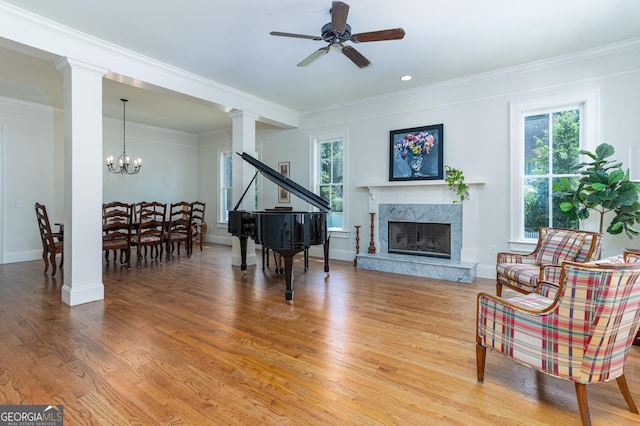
406	78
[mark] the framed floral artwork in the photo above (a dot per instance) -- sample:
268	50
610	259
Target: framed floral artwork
416	153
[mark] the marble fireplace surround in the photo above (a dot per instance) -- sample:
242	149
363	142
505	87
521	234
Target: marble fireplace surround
423	201
422	213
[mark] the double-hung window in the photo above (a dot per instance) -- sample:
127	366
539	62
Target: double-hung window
226	186
330	178
546	138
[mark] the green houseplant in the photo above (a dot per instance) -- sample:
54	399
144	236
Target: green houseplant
603	187
455	179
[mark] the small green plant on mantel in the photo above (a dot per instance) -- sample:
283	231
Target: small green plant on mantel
603	187
455	179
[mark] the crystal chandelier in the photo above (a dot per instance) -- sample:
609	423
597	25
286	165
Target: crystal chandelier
123	162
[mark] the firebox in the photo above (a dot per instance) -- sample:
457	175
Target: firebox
421	239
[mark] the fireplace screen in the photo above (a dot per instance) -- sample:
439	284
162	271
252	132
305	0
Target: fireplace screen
422	239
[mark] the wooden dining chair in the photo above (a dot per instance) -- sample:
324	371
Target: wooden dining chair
198	224
115	211
178	228
150	230
116	231
50	247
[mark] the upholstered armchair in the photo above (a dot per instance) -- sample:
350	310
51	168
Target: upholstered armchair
521	272
582	335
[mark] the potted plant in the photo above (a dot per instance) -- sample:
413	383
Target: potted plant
603	187
455	179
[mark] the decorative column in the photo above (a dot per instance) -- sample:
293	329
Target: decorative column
83	170
372	244
243	140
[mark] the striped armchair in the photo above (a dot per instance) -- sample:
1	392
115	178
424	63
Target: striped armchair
521	272
582	335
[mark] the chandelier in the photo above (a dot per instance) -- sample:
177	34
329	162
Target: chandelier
123	162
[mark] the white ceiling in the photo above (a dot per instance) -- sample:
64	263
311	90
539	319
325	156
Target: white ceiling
229	42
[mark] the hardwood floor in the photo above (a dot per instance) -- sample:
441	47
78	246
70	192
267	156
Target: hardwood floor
195	341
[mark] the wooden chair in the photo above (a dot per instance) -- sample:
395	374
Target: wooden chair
521	272
198	224
50	247
582	335
179	228
150	230
116	231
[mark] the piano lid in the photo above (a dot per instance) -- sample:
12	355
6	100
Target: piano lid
287	183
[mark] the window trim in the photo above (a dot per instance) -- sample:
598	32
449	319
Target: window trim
588	102
315	141
221	171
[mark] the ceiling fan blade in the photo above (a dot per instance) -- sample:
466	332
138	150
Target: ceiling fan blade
281	34
393	34
315	55
339	12
355	56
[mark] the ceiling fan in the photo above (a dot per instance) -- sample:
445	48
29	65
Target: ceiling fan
337	32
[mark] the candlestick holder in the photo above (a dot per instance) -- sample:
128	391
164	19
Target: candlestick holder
355	259
372	246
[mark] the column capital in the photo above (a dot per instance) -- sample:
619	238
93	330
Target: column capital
237	113
66	63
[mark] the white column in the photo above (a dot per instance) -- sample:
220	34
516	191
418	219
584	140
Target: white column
243	140
82	182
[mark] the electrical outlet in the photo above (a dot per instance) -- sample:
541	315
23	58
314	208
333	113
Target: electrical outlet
493	249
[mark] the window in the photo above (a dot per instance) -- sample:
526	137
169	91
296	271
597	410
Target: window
551	145
330	178
547	136
226	188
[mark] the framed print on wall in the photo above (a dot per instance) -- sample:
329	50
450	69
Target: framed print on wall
416	153
283	195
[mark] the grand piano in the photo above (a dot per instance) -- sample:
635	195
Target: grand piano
285	232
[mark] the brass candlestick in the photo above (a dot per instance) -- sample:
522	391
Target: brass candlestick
355	259
372	246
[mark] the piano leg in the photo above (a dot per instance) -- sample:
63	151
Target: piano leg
243	253
326	254
306	259
265	250
288	271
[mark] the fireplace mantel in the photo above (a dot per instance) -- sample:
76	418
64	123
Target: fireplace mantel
429	192
413	183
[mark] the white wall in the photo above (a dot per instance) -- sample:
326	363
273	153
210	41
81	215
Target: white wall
169	164
475	113
209	147
33	167
32	171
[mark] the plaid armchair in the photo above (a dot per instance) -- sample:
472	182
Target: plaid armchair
582	335
521	272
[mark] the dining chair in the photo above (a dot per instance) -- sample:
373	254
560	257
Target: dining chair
50	247
116	231
114	211
582	335
150	230
198	224
179	228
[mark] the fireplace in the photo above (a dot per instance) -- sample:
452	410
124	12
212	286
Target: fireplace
440	215
420	238
422	203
